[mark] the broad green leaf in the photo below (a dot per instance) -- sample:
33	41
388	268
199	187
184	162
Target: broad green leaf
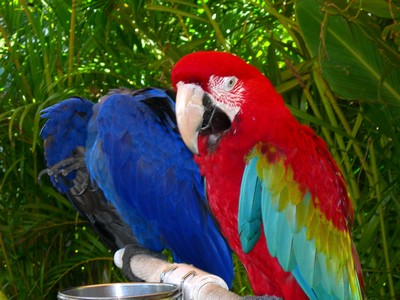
352	63
381	8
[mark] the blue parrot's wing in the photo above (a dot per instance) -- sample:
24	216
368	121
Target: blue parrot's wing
151	175
65	135
303	240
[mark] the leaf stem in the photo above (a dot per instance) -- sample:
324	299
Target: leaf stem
317	113
71	42
8	264
214	24
381	219
328	100
17	64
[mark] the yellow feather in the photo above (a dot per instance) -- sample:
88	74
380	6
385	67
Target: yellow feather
353	279
301	214
289	173
261	168
313	227
295	195
283	198
277	177
333	246
321	241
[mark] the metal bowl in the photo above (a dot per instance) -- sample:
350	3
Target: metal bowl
121	291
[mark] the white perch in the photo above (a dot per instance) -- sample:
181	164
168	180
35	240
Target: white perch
195	283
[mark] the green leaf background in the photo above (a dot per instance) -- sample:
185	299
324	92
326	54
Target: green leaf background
336	63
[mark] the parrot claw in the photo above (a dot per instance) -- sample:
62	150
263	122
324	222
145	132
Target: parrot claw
81	183
65	167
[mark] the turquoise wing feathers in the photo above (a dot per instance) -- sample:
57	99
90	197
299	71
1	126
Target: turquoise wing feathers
298	234
250	208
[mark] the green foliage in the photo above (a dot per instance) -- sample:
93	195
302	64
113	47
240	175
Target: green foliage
335	62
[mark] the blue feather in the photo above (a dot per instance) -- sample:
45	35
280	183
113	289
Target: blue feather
285	241
249	218
303	283
270	220
151	178
305	252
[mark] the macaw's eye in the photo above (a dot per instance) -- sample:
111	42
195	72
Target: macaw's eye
230	83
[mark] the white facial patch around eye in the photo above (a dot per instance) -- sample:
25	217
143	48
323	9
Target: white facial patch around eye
227	93
228	90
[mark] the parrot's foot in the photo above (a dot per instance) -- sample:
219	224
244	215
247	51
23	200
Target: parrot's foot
81	183
66	166
63	168
130	251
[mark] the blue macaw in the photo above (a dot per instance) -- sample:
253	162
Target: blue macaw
127	148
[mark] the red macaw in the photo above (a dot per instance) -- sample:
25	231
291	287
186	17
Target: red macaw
276	191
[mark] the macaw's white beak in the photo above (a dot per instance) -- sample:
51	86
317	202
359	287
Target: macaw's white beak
189	113
198	113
